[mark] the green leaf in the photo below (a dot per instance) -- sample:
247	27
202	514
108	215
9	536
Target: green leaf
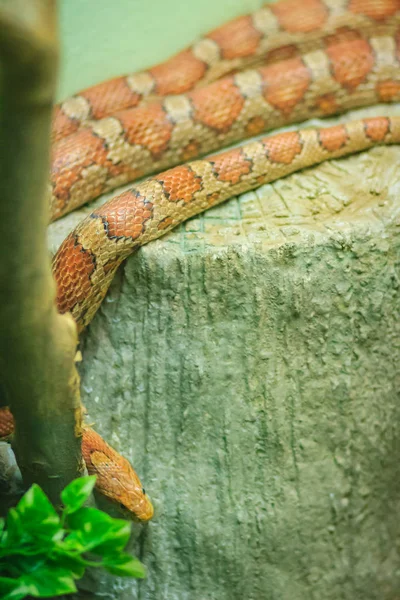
38	516
14	565
49	581
72	544
35	502
115	543
124	565
7	584
92	528
25	549
42	559
17	594
74	564
20	565
13	589
77	492
14	533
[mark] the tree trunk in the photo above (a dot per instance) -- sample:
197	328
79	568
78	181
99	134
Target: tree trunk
37	345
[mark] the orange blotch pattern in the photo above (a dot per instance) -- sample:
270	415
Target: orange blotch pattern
231	166
327	104
110	96
180	184
255	126
297	16
6	422
62	124
285	84
178	75
333	138
125	215
70	156
397	42
236	39
379	10
72	268
388	91
351	58
284	147
147	126
115	476
165	223
377	128
219	105
191	150
283	53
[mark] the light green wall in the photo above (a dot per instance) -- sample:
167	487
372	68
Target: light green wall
101	39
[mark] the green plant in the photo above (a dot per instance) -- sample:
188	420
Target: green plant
42	552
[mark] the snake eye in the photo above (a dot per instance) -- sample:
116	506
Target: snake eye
122	506
143	491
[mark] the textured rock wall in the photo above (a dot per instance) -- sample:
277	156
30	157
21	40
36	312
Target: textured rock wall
247	364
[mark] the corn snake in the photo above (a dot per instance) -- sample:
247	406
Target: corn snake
341	58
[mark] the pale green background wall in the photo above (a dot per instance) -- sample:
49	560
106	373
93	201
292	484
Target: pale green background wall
147	32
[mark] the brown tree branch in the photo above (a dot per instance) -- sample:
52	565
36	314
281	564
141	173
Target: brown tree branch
37	345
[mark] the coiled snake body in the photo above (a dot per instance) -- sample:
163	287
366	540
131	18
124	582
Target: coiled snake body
309	58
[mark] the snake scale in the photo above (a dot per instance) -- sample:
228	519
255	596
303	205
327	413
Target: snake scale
286	62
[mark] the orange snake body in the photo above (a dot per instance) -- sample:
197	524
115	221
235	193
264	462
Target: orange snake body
115	477
311	58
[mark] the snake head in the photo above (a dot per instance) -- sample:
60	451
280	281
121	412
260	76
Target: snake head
115	477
